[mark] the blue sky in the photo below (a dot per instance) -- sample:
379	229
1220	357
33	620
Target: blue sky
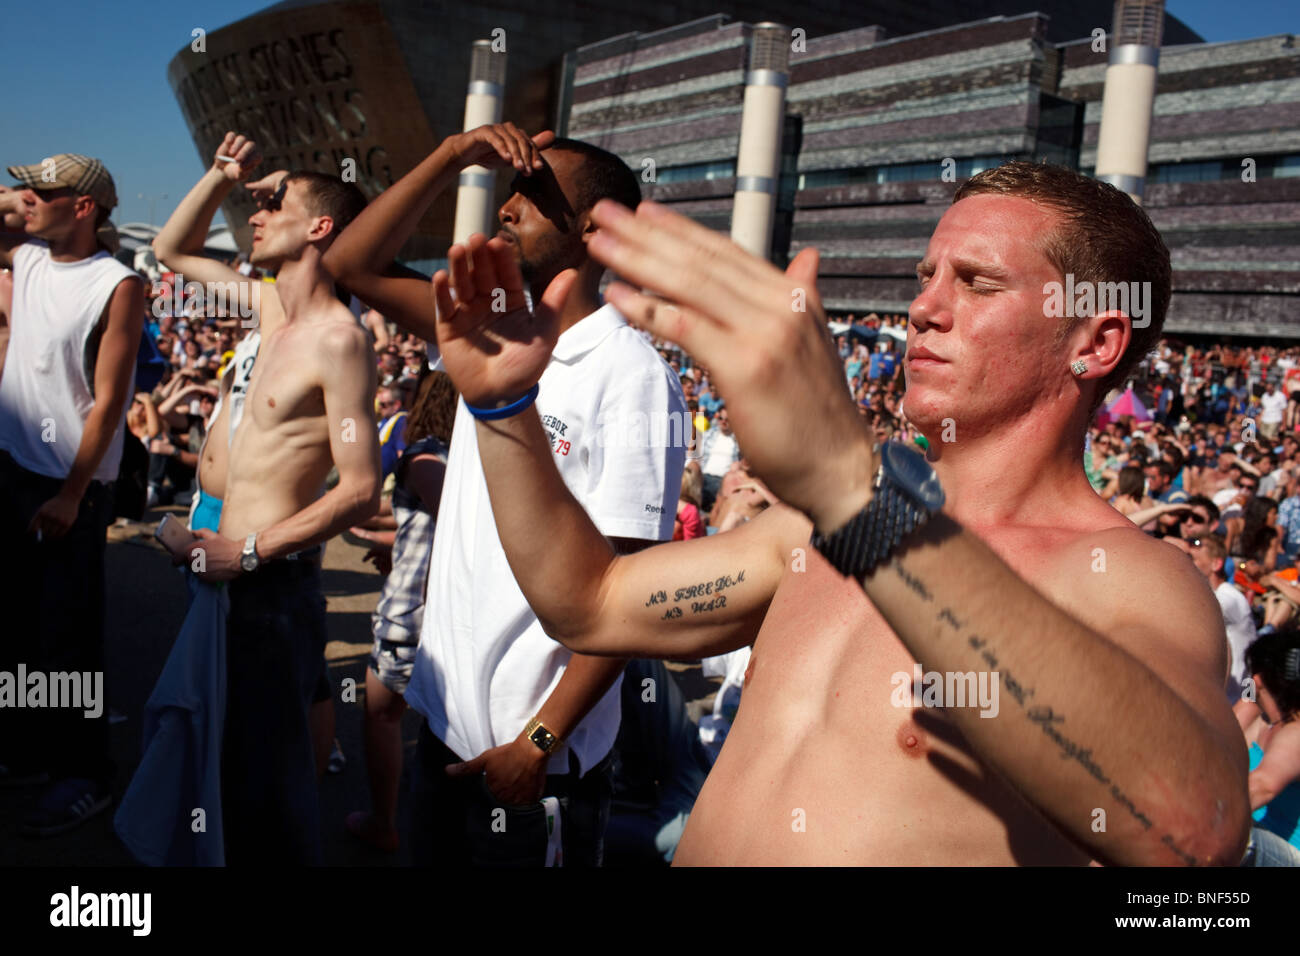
108	95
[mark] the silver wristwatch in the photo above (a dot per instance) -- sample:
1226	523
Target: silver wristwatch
248	559
907	492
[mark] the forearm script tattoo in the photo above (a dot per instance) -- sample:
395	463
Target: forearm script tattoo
1042	715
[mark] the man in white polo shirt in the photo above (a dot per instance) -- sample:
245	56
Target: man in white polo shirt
513	764
77	318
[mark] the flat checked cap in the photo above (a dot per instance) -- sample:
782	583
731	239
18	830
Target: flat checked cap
82	174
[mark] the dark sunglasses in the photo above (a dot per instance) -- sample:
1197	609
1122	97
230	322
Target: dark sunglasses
49	195
1197	516
277	198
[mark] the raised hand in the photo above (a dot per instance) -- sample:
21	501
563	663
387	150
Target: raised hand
493	348
501	145
11	209
762	333
243	151
265	187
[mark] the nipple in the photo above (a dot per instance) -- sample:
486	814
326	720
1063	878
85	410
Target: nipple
911	740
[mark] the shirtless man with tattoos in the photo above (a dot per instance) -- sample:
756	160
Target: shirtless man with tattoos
1108	648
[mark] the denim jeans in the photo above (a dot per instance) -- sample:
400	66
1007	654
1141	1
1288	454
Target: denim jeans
162	467
53	595
275	637
457	822
710	486
1268	849
659	767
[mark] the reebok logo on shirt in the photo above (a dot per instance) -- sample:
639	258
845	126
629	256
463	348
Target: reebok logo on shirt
554	425
555	430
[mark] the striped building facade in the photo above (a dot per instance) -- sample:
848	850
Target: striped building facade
880	131
1224	186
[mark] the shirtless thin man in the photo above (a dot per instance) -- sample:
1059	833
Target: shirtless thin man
1108	647
310	406
178	246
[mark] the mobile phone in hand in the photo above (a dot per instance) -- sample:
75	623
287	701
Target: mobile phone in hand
172	534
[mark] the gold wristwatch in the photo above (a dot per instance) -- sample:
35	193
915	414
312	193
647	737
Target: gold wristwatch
545	740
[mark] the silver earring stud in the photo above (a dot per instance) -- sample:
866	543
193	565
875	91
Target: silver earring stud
1078	366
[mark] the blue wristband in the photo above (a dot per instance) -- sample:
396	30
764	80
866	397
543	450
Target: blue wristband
505	411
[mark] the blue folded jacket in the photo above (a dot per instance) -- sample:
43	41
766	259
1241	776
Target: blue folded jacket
180	767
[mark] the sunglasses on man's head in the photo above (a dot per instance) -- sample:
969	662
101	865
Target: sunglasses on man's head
1197	516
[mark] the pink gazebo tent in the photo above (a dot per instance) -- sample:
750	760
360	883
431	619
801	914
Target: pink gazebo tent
1127	404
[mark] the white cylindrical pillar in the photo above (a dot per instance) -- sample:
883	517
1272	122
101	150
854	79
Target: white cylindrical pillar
1130	92
487	74
758	165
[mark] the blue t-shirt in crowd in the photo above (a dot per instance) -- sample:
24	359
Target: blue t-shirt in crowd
708	404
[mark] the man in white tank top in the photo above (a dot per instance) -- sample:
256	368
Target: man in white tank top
76	322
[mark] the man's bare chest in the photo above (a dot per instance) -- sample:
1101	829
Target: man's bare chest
285	386
826	656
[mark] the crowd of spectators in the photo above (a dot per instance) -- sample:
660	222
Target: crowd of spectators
1207	458
193	348
718	489
1213	468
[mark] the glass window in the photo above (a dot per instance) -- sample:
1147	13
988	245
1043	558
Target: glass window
721	169
1287	166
